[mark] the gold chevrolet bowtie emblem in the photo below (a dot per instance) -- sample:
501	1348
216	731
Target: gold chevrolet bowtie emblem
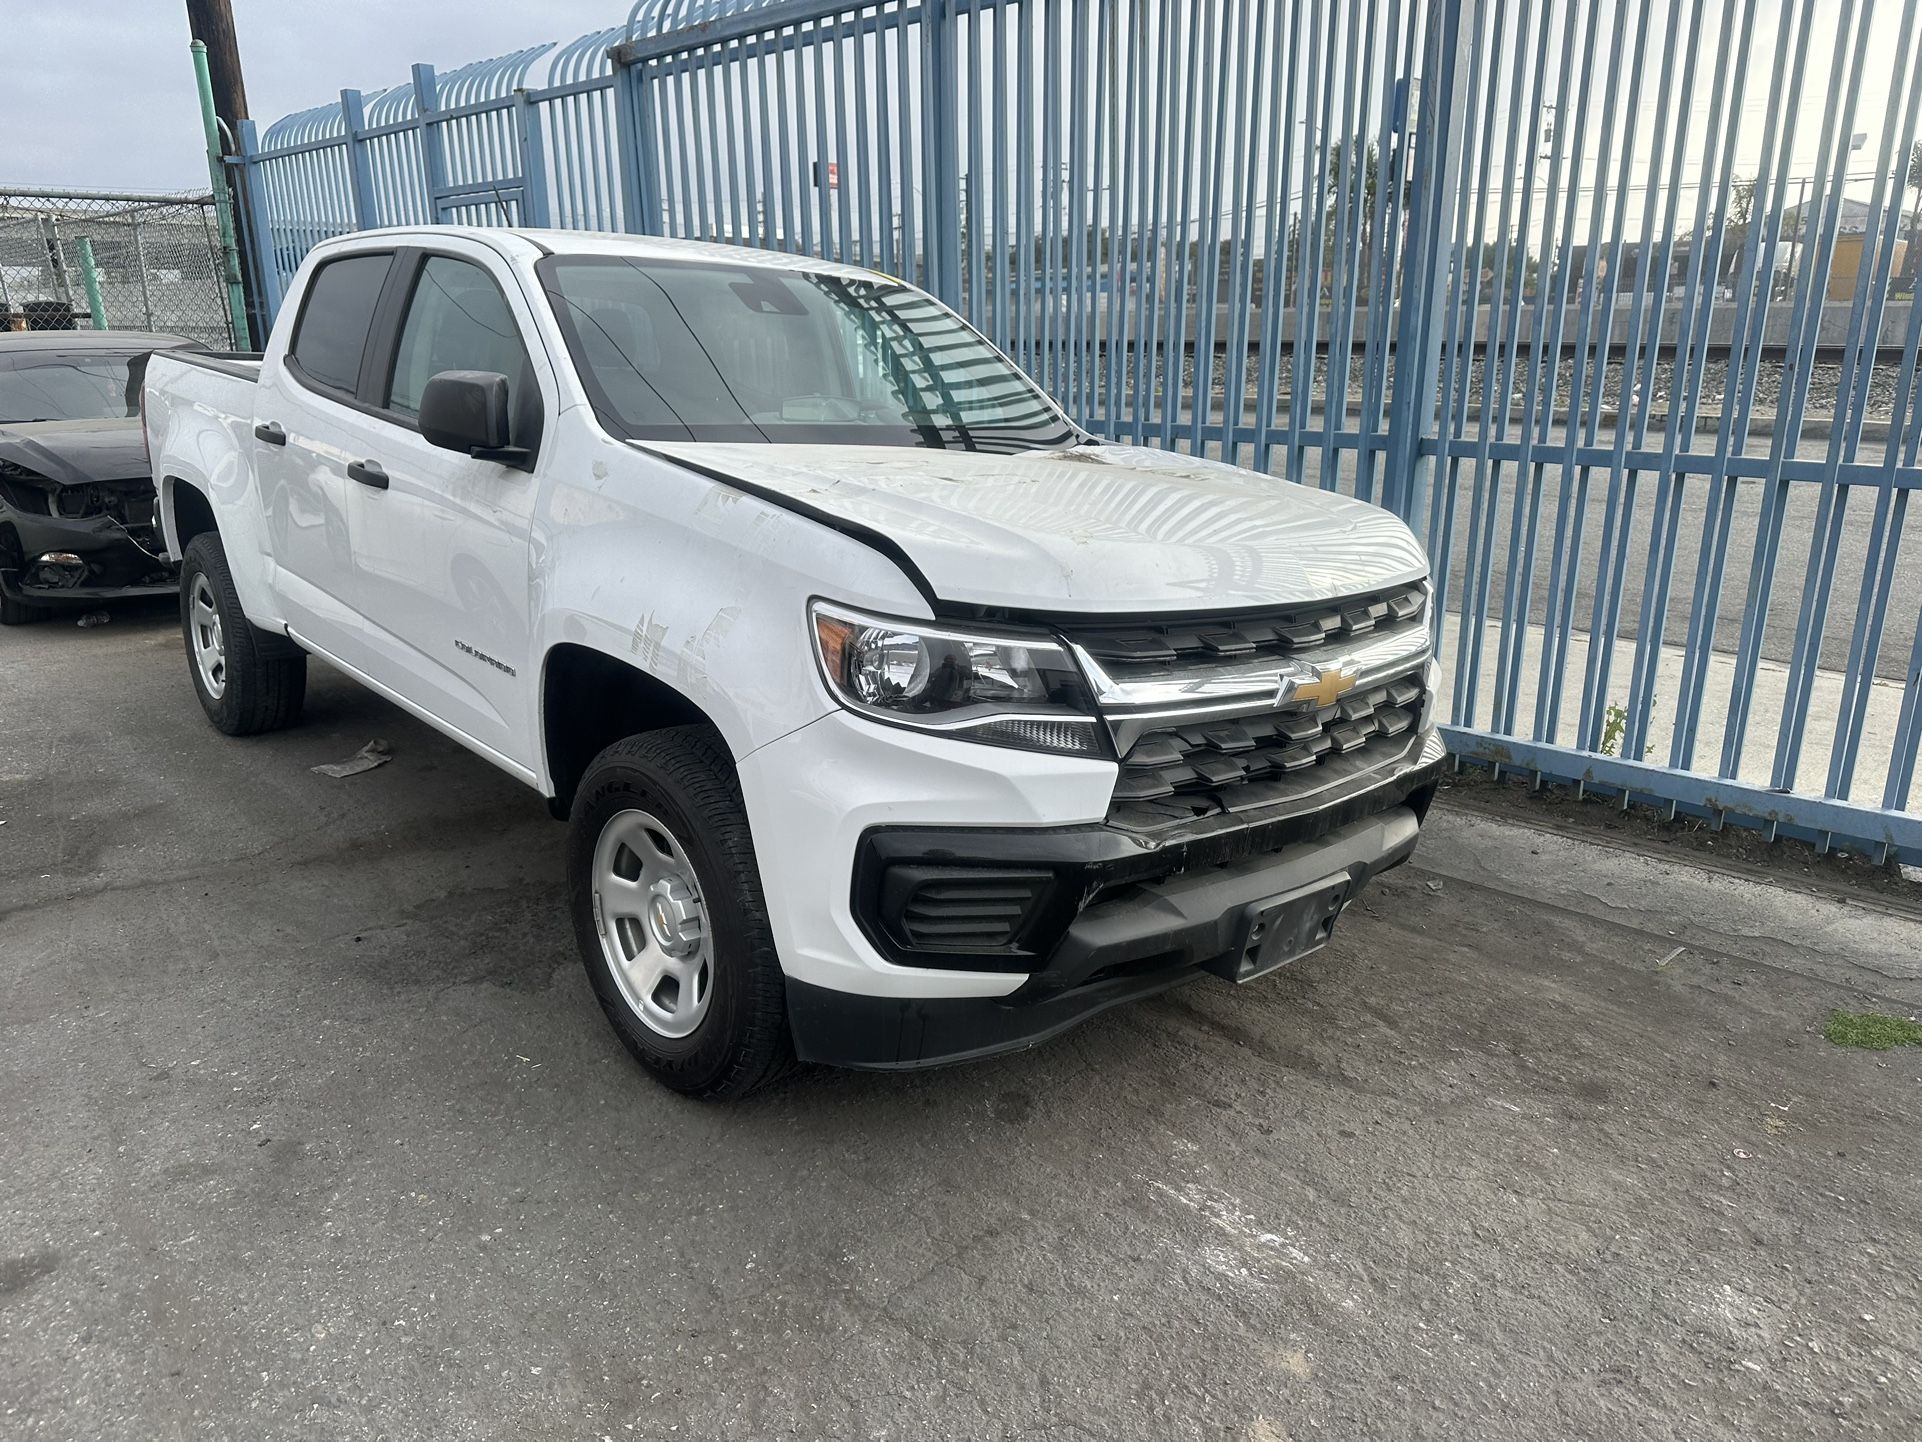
1328	687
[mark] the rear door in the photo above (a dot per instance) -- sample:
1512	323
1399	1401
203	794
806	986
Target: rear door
309	424
442	543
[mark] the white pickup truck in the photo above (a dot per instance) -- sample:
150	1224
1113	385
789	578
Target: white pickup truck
896	719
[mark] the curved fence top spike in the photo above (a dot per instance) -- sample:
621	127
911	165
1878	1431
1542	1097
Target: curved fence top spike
320	123
583	58
394	103
489	79
580	59
656	17
480	80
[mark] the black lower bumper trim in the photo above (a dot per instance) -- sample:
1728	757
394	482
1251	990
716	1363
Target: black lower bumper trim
1142	943
886	1033
1089	863
114	563
84	595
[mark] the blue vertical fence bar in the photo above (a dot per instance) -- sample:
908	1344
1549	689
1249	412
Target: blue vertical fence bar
353	114
1612	299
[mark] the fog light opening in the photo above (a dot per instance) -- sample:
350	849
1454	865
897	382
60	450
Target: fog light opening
56	569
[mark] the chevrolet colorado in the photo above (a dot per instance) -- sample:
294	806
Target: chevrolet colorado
896	719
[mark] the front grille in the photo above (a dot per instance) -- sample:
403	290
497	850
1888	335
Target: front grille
960	908
1128	653
1210	767
1242	752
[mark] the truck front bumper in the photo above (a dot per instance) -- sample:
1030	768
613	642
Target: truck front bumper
1141	939
853	820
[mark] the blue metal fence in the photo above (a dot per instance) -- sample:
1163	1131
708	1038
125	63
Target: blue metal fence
1612	299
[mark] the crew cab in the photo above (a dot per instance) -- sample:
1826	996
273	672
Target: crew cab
895	718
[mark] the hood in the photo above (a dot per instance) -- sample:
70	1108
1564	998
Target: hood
1111	529
71	453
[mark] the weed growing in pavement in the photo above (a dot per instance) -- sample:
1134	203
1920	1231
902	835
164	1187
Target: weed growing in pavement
1871	1030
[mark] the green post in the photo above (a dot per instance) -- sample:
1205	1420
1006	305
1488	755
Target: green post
90	277
223	205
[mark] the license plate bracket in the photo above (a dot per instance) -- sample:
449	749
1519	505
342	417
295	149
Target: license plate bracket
1281	929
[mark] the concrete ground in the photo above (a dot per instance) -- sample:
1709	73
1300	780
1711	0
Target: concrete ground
312	1129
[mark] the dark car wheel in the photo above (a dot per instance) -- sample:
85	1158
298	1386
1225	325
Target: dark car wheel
19	613
669	914
244	678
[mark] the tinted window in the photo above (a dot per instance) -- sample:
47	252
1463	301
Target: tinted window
457	321
336	318
724	352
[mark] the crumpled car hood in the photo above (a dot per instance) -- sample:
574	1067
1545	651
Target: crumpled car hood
1111	529
72	453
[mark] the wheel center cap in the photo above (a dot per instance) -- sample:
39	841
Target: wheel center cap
674	918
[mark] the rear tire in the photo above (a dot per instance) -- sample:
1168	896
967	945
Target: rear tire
245	681
669	916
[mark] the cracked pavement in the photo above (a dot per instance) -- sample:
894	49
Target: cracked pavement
313	1129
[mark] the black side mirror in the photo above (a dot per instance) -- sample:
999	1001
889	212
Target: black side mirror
466	411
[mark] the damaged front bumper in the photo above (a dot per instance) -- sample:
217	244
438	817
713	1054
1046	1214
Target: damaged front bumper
109	553
1088	916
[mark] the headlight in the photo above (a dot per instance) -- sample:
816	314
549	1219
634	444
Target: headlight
1009	690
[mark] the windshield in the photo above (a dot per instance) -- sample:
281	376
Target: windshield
694	350
78	386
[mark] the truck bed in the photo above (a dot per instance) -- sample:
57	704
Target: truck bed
242	363
199	411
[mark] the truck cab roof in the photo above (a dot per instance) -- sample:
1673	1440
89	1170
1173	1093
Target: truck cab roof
530	245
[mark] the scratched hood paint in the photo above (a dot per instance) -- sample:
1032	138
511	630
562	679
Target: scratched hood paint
1098	528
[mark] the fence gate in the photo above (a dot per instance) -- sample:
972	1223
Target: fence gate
73	259
1611	299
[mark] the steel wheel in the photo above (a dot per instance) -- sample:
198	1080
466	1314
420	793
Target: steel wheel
210	646
652	924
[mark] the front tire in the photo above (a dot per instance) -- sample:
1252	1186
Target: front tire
245	681
669	916
19	613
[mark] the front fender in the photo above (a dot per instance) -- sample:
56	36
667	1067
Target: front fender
701	586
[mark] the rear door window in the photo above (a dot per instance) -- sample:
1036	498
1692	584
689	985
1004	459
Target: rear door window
335	319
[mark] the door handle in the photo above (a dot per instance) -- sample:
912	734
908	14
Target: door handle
271	433
368	473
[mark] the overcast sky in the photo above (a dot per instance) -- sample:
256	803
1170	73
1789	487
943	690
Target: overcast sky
99	94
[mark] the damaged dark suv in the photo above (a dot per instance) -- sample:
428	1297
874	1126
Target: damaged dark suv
76	495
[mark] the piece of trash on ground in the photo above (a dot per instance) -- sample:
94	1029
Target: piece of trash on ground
1435	886
374	753
1671	956
92	619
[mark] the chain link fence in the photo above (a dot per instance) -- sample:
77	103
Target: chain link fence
97	260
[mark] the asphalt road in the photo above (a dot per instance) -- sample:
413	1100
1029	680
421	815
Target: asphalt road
313	1130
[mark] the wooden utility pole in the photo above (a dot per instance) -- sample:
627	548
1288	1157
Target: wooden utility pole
212	24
